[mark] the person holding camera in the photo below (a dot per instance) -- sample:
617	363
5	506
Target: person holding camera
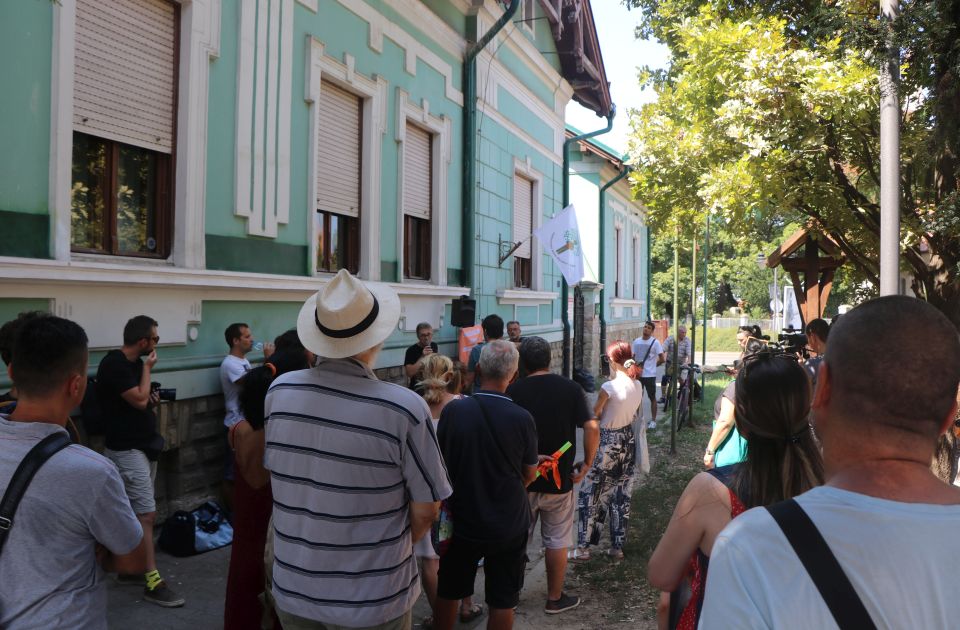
817	332
127	398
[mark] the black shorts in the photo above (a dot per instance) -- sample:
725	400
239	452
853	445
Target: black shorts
503	566
649	383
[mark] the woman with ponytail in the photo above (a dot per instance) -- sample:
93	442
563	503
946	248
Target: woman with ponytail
609	483
772	405
439	381
253	499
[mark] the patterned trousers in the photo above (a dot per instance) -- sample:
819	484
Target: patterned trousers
606	489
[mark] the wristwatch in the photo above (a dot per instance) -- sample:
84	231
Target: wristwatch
708	452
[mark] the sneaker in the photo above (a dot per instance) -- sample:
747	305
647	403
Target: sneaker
616	554
129	579
565	603
162	595
662	400
581	555
651	425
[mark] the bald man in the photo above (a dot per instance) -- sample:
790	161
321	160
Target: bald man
888	522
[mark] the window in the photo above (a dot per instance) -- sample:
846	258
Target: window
618	247
522	226
124	104
338	179
417	202
527	14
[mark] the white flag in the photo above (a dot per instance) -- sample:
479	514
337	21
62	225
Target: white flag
560	236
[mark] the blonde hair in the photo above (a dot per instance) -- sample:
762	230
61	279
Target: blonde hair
435	375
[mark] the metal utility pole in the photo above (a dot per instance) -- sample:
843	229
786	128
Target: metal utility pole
706	264
889	157
676	326
693	318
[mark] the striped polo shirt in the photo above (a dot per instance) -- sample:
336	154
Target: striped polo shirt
346	454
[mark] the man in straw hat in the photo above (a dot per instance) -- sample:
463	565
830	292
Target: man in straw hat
356	471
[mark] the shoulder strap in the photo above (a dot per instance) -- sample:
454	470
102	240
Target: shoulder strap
647	354
496	440
38	455
838	593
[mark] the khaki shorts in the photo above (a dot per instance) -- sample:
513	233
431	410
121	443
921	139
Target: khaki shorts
138	474
556	518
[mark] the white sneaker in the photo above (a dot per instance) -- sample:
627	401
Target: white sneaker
651	425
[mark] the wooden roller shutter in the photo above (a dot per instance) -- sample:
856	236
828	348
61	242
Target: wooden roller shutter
522	214
339	151
417	173
125	71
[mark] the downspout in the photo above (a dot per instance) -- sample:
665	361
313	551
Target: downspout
648	272
565	290
624	171
469	187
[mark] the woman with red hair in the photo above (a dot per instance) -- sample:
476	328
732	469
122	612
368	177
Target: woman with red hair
609	483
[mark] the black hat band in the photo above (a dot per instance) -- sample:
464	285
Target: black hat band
343	333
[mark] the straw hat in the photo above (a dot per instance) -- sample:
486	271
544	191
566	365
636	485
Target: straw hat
348	316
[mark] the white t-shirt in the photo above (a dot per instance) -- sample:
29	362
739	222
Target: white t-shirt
231	370
900	558
640	349
625	396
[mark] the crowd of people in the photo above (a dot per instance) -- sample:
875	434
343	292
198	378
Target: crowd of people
350	495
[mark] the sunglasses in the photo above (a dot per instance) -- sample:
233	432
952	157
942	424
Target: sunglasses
153	339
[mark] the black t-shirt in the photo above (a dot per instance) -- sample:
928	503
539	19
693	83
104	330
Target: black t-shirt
489	501
126	426
414	354
558	406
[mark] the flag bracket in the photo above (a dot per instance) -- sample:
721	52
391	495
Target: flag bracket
506	248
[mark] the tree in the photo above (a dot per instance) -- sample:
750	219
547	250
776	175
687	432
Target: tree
770	109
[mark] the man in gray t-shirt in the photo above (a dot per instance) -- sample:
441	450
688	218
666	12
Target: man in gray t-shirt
75	513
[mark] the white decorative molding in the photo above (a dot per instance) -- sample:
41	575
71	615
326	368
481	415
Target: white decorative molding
440	128
431	24
524	297
199	43
310	4
617	305
321	67
523	167
380	26
264	89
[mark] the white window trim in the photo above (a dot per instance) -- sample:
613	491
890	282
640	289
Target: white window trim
618	272
373	91
524	168
199	43
636	261
440	132
525	297
527	20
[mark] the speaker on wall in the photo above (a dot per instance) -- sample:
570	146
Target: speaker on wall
463	312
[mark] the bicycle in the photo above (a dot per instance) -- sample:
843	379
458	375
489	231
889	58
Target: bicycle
685	381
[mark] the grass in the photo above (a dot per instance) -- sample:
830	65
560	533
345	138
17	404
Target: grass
623	585
718	339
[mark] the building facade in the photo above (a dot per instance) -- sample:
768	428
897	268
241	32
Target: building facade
206	162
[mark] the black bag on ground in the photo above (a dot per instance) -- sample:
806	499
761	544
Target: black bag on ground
189	533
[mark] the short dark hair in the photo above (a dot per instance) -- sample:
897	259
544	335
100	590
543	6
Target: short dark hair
255	383
819	327
424	326
917	393
288	340
493	326
234	331
46	352
138	328
8	333
534	354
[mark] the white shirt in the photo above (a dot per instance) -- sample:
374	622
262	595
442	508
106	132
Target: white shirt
900	557
625	397
640	349
232	370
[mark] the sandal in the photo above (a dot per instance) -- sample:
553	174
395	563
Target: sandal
475	611
581	555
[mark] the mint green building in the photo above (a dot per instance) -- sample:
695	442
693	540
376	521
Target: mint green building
213	161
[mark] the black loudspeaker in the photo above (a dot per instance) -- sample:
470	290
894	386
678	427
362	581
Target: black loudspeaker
463	312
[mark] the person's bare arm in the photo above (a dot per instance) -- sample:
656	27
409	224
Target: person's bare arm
661	358
422	516
591	441
411	369
139	397
134	562
725	423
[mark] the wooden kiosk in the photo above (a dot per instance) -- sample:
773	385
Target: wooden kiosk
811	257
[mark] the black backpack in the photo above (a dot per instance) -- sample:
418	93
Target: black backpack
91	414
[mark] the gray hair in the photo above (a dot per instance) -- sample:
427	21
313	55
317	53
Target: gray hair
498	360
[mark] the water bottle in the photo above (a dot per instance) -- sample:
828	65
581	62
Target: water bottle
258	346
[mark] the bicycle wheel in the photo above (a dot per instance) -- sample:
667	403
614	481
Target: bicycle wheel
683	410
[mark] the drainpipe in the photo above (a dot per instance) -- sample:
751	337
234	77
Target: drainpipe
469	185
565	290
624	171
648	272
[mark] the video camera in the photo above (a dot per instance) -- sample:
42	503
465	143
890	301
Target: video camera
168	394
793	341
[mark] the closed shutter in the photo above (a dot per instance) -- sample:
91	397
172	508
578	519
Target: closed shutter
417	173
338	151
522	214
124	71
